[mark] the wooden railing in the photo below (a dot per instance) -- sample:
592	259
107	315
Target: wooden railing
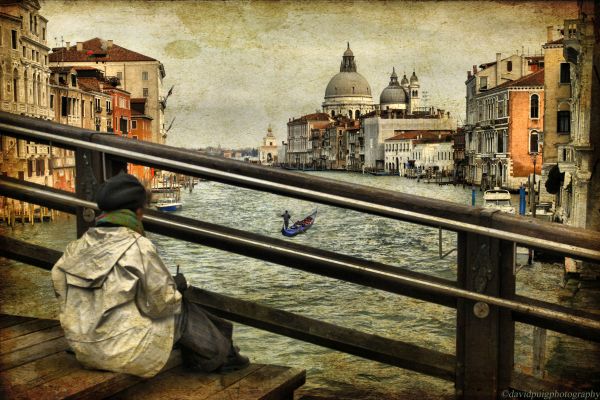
483	294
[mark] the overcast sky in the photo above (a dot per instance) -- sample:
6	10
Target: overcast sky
239	66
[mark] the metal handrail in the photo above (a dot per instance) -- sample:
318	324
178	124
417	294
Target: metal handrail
349	264
554	237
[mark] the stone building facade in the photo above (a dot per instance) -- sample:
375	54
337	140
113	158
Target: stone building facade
557	107
578	198
137	74
24	75
503	133
299	153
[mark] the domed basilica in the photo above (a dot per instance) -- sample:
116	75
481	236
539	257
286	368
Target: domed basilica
348	92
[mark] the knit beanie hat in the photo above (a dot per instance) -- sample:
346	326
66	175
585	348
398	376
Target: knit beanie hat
122	191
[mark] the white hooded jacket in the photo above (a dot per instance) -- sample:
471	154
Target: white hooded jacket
117	301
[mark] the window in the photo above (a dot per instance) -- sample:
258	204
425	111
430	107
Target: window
123	125
534	108
52	102
509	66
533	142
145	75
145	92
483	83
563	122
108	106
119	75
24	51
43	33
73	80
13	37
64	106
565	73
133	124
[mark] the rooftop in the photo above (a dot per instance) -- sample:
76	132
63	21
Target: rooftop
94	50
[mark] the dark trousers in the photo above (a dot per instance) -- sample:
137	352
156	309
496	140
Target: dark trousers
204	339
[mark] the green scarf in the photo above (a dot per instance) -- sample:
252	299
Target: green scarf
126	218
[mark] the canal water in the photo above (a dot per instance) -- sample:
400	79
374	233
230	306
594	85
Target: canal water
27	290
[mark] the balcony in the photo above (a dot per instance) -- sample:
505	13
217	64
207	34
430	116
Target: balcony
573	32
108	111
98	109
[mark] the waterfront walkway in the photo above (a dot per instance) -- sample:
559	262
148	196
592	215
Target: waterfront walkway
34	364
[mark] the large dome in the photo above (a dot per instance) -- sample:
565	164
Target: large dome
345	84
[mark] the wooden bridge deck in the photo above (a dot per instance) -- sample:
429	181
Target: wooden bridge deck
34	364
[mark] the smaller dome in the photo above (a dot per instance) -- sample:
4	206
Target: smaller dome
404	80
413	78
393	93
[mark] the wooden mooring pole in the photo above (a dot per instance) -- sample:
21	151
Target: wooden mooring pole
484	333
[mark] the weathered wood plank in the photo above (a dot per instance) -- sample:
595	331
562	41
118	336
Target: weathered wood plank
123	381
16	381
181	384
30	339
10	320
270	382
28	253
25	328
32	353
79	383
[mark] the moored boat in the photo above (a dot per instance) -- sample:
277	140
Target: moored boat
300	226
498	199
168	204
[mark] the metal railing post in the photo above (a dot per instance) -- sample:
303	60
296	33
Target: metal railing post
87	179
485	333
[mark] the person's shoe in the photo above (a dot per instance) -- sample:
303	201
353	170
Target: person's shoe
235	361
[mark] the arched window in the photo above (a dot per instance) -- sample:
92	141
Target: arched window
534	108
350	113
533	142
333	113
357	114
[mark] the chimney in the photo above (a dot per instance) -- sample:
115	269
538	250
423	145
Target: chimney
549	33
79	46
109	44
68	45
469	74
474	69
498	68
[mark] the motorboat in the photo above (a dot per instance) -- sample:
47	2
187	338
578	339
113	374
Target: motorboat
498	199
168	204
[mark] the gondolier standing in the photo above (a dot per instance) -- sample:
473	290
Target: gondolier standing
286	219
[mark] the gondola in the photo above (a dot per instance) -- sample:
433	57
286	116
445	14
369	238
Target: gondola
300	226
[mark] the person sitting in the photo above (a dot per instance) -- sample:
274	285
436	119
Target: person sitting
120	308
